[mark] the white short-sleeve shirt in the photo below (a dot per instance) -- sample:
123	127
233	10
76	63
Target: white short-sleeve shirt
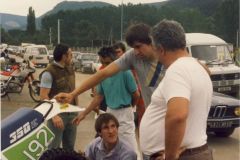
184	78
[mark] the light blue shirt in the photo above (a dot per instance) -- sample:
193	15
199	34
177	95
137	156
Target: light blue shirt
47	79
96	151
118	89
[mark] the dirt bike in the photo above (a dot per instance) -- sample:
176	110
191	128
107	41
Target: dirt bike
13	80
24	135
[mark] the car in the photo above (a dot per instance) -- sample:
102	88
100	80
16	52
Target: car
38	54
50	56
224	115
96	65
76	60
86	62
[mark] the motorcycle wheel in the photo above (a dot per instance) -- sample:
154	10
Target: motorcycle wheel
3	92
34	91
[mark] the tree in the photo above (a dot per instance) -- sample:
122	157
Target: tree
31	24
227	20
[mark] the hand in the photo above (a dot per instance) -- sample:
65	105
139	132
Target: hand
158	156
64	97
176	157
180	151
78	119
58	122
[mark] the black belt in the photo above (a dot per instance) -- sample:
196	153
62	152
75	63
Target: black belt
196	150
189	151
124	106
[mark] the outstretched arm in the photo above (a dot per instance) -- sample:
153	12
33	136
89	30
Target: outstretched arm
95	102
89	83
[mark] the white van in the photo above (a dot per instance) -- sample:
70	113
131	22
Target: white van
214	52
38	54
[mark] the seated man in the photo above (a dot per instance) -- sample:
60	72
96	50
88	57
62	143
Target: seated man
108	145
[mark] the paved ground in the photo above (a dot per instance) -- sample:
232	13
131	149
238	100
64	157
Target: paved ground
223	148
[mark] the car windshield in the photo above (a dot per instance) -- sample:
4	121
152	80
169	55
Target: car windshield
212	53
41	51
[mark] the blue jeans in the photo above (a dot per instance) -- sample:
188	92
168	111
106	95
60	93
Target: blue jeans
67	136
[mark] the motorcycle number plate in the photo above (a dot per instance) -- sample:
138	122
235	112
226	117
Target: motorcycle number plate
30	147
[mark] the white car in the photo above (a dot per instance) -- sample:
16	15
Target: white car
38	54
96	65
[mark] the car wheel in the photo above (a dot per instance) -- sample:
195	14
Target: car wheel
224	133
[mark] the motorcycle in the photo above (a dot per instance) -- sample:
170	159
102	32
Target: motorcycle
24	134
13	80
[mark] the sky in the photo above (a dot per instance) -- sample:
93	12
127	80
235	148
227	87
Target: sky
20	7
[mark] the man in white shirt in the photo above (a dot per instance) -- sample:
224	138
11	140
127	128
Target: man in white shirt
174	124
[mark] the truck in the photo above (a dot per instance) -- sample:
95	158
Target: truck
214	52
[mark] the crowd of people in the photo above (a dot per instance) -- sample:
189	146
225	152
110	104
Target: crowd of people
158	77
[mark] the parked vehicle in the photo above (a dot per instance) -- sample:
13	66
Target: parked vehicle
13	81
76	60
50	56
96	65
224	115
214	52
86	61
38	54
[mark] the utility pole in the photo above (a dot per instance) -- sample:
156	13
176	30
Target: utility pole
239	26
237	40
0	28
50	35
58	31
122	21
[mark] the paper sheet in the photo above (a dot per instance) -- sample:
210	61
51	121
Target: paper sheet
57	108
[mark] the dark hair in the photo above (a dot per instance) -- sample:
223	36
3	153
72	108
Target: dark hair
61	154
107	51
120	45
104	119
138	33
169	34
59	51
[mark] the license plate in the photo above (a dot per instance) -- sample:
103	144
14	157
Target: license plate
221	89
223	124
39	57
32	146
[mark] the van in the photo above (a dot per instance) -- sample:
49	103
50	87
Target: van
38	54
214	52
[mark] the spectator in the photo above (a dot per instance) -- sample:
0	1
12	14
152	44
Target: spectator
108	145
119	91
176	119
59	77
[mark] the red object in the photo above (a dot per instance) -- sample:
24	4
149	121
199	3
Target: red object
140	107
8	73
